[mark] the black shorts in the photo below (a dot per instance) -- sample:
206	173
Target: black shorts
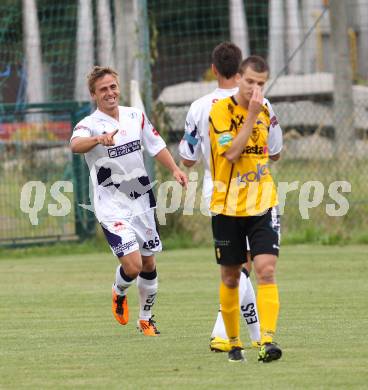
229	234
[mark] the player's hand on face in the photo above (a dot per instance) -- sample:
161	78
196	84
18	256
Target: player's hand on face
255	104
107	139
181	177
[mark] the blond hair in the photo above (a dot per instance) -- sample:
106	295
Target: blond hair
96	73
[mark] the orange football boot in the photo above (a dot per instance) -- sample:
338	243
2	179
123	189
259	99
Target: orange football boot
120	307
148	328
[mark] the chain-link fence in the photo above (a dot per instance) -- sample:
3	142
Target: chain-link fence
42	184
296	37
46	50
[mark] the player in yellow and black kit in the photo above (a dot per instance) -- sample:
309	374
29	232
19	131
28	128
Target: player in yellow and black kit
244	204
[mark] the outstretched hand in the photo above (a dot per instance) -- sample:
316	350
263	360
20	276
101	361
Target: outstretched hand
181	177
107	139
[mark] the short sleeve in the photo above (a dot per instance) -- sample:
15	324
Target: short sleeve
152	141
190	145
222	128
81	130
275	133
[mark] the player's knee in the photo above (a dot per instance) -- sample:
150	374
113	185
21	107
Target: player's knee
149	263
230	275
266	275
230	281
132	269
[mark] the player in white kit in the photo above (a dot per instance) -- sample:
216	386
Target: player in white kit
112	139
195	145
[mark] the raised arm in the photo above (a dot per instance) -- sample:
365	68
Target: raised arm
85	144
239	142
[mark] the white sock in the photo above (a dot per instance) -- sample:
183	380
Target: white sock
248	307
243	285
219	328
147	289
121	283
248	311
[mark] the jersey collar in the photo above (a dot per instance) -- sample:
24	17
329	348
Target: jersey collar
101	115
233	100
232	91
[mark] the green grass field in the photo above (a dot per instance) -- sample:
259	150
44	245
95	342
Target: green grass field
57	330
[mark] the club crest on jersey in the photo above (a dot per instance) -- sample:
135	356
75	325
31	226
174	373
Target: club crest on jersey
133	115
123	132
149	232
255	134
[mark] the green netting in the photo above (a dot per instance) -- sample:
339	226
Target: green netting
186	35
302	97
182	36
39	174
57	27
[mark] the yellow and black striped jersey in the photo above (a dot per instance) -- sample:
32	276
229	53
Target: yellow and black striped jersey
246	187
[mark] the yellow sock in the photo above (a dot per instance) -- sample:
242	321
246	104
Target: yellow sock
268	309
229	300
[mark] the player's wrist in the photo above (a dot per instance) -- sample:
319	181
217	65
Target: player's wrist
253	114
175	169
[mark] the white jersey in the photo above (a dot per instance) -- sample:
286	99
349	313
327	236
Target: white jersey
121	186
196	141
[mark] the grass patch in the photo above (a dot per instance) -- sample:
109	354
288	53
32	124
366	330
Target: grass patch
56	249
57	330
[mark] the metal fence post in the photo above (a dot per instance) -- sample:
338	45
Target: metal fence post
145	77
343	116
85	221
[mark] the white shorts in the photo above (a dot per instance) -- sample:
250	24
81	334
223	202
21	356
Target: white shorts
131	234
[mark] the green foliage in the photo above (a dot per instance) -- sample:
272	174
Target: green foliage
98	244
315	235
161	119
176	231
182	240
154	35
44	169
308	235
361	238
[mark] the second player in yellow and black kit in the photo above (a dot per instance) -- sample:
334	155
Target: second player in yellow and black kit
244	188
244	202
